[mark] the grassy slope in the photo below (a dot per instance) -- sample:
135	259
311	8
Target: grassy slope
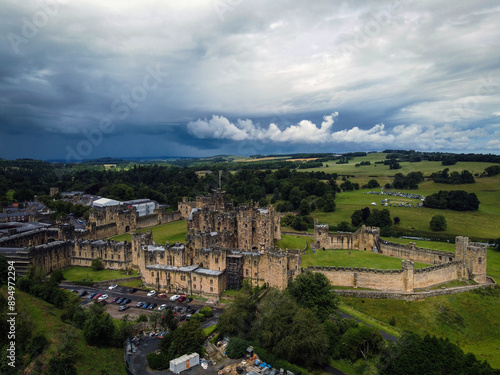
46	320
468	319
459	223
170	232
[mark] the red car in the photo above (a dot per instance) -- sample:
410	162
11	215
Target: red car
182	298
97	296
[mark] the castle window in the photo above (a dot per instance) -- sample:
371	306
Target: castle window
194	278
255	274
112	256
247	272
255	263
211	289
450	259
216	260
194	286
79	253
152	274
118	256
183	278
212	282
479	260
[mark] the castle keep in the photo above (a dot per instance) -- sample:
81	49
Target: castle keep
227	244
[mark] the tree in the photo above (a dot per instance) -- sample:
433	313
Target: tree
314	291
188	338
304	208
56	276
97	264
329	203
360	342
438	223
238	318
397	220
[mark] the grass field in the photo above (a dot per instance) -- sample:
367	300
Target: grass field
80	273
46	320
357	258
485	220
171	232
471	320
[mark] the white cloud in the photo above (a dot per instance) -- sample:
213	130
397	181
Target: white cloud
423	137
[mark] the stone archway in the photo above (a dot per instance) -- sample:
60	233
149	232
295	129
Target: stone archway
127	228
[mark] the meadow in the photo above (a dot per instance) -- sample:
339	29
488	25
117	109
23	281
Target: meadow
416	220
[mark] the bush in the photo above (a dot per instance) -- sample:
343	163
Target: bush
158	361
236	347
207	312
56	276
142	318
97	264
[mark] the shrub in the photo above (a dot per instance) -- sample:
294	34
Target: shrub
207	312
142	318
158	361
438	223
236	347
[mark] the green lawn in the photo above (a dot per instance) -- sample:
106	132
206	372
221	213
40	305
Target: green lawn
80	273
289	241
469	319
357	258
171	232
46	320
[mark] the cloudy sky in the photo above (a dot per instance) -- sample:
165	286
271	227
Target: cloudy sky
87	79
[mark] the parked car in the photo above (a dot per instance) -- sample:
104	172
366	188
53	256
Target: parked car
115	299
152	306
162	307
123	307
97	296
183	310
189	299
132	290
82	293
152	293
175	297
113	286
146	305
188	317
91	295
126	301
182	298
74	290
120	300
139	304
102	297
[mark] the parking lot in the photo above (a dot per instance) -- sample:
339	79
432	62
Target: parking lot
140	296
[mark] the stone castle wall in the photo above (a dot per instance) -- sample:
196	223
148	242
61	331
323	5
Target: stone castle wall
417	254
365	238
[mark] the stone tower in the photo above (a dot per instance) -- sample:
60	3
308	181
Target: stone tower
408	268
473	257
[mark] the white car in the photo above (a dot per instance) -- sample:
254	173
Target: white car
114	286
103	297
175	297
152	293
162	307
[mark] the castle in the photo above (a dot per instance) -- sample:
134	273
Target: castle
227	244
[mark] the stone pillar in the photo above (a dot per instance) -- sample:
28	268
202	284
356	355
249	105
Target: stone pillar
408	267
